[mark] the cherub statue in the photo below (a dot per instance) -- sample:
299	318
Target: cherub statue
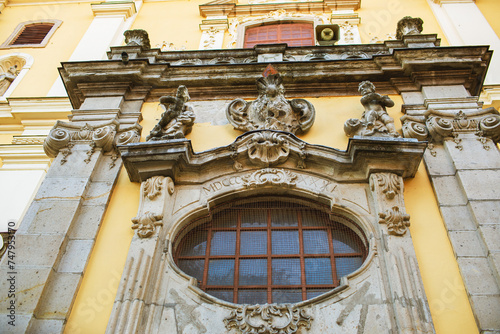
375	120
7	78
178	118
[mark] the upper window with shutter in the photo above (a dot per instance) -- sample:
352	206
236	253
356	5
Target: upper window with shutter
32	34
294	34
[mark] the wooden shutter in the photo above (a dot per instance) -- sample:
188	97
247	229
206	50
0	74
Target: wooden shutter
294	34
32	34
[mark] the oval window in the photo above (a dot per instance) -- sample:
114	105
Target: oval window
270	252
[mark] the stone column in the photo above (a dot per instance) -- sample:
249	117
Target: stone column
56	236
463	162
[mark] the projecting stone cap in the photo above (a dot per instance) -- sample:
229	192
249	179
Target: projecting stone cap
409	26
265	148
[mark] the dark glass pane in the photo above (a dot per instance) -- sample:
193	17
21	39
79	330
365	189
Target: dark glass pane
311	293
253	296
344	242
287	295
193	268
253	272
284	218
253	218
223	243
228	218
253	243
318	271
194	243
221	272
316	242
313	218
226	295
285	242
347	265
286	271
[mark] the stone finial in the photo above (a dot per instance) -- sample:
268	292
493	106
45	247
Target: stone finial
409	26
375	121
178	118
137	37
271	110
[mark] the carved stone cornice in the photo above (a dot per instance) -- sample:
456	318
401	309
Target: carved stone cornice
175	158
268	318
437	125
105	136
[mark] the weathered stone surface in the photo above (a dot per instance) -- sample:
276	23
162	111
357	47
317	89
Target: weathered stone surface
485	212
37	250
478	275
466	243
74	165
98	193
22	322
45	326
49	216
76	255
448	191
473	155
487	310
212	112
59	295
491	236
479	185
102	102
107	168
458	218
55	188
437	92
437	161
87	222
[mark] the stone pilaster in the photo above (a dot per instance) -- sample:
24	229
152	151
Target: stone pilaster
463	162
57	234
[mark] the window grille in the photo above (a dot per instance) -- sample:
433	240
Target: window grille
32	34
294	34
270	252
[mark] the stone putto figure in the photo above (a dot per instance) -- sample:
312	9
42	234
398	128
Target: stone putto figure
271	110
178	118
7	78
375	121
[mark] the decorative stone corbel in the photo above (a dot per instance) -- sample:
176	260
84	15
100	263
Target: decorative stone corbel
268	318
271	110
409	26
178	118
375	121
387	190
137	37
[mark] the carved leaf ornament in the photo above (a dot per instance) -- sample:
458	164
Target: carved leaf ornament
389	184
268	319
146	223
269	177
397	221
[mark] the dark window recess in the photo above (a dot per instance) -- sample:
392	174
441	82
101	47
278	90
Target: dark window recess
32	34
270	252
294	34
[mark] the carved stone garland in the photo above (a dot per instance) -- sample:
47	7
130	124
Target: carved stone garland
64	136
268	319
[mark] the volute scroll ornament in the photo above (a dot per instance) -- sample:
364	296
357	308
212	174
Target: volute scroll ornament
178	118
271	110
388	183
375	121
268	319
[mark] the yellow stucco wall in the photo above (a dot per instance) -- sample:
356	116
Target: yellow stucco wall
448	301
490	10
42	75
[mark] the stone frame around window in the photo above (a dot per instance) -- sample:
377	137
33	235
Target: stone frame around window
24	62
19	29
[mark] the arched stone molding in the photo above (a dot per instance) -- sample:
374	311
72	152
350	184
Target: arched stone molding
338	181
23	61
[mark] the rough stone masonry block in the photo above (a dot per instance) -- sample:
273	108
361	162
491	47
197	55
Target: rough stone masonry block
487	309
58	296
478	275
75	165
458	218
21	324
473	155
47	216
491	236
98	193
59	189
466	243
104	172
440	164
37	250
485	212
87	222
480	185
76	256
29	283
38	326
448	190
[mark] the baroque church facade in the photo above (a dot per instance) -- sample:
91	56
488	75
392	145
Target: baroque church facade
250	166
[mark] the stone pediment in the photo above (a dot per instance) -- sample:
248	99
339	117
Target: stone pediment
266	148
